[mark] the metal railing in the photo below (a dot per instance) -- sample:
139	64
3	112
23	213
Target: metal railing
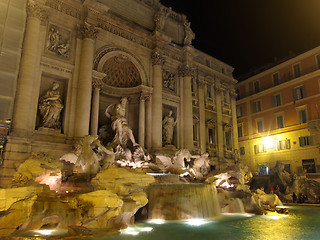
4	131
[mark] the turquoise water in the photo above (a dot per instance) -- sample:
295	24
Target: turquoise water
301	223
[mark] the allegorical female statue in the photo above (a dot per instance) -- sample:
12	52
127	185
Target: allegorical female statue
168	125
50	106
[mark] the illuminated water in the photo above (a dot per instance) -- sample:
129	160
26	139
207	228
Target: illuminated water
300	223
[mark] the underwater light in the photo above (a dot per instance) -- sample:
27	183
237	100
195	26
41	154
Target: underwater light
157	221
46	232
146	229
275	215
196	221
239	214
136	230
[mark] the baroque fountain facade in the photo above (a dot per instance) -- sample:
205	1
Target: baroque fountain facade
115	90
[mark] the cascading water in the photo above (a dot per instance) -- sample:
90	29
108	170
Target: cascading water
182	201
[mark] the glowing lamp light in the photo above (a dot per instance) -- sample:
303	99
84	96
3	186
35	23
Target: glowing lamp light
269	143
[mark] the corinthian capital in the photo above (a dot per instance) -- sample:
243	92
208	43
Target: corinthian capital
36	9
157	59
186	71
97	83
87	31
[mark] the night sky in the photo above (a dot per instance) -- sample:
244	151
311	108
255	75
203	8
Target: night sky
250	34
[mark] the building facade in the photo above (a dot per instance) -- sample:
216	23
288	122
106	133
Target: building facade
92	53
278	112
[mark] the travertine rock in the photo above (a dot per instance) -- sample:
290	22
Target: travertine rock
34	167
122	181
16	206
98	208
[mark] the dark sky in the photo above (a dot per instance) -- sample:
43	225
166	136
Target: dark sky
248	34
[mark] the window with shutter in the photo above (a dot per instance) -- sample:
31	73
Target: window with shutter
275	78
257	106
296	70
302	116
305	141
239	111
276	100
299	93
259	126
318	60
284	144
280	122
256	86
240	131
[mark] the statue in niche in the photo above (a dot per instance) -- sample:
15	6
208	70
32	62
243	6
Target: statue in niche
189	35
160	17
50	106
168	125
116	112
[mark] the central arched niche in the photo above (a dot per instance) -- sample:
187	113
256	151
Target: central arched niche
124	77
121	72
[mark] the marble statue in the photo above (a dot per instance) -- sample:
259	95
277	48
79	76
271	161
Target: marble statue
160	17
50	106
189	35
116	112
168	125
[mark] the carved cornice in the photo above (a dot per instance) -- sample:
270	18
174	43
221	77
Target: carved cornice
157	59
36	9
186	71
63	7
87	30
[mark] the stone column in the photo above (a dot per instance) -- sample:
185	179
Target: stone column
97	85
186	72
219	124
202	117
156	137
88	33
148	123
142	120
30	60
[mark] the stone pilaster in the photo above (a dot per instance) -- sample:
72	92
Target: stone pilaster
96	85
186	73
202	116
88	33
233	96
220	134
30	60
157	63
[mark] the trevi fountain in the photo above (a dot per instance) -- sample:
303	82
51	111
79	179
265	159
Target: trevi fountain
121	129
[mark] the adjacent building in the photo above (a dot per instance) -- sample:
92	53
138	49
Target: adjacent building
93	52
278	116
